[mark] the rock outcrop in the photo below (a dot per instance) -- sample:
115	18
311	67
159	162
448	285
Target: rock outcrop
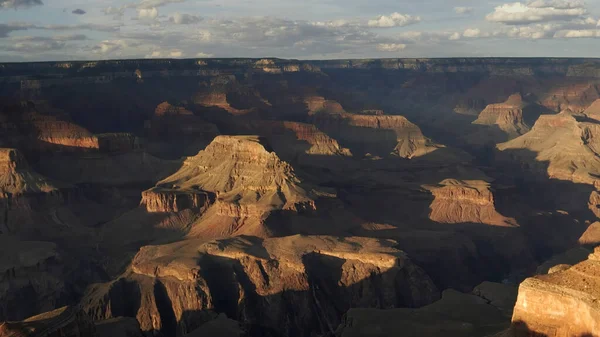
562	303
508	116
296	141
64	322
465	202
560	147
379	135
244	174
318	104
280	285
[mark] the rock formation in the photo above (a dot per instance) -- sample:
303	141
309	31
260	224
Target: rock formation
247	178
464	202
508	116
295	141
561	303
318	104
66	321
281	284
593	111
145	193
560	147
379	135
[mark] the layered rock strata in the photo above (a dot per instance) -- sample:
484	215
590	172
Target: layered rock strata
282	285
244	175
564	303
507	116
380	135
465	202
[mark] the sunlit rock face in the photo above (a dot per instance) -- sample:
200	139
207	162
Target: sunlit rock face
465	202
561	303
561	146
279	284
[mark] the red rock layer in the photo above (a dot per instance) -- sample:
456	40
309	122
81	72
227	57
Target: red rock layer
157	200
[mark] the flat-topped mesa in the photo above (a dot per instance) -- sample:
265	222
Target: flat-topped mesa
508	116
217	95
293	140
54	134
318	104
465	202
564	303
286	280
560	147
64	322
381	135
242	172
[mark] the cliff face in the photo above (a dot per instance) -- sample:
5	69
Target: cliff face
278	285
561	146
158	200
508	116
22	189
561	303
243	174
465	202
376	134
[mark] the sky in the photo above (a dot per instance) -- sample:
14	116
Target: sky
56	30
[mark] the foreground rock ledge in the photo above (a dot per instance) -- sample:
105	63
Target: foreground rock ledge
564	303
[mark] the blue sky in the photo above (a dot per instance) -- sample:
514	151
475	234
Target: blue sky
44	30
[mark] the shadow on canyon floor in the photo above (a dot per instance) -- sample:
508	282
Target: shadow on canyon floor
522	329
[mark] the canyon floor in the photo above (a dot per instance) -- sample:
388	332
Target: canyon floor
284	198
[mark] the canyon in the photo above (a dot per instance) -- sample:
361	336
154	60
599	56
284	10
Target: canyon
288	198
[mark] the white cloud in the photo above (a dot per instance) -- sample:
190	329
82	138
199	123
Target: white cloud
204	36
203	55
558	4
107	47
393	20
14	4
391	47
173	53
518	13
582	33
147	13
463	10
475	33
455	36
184	19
